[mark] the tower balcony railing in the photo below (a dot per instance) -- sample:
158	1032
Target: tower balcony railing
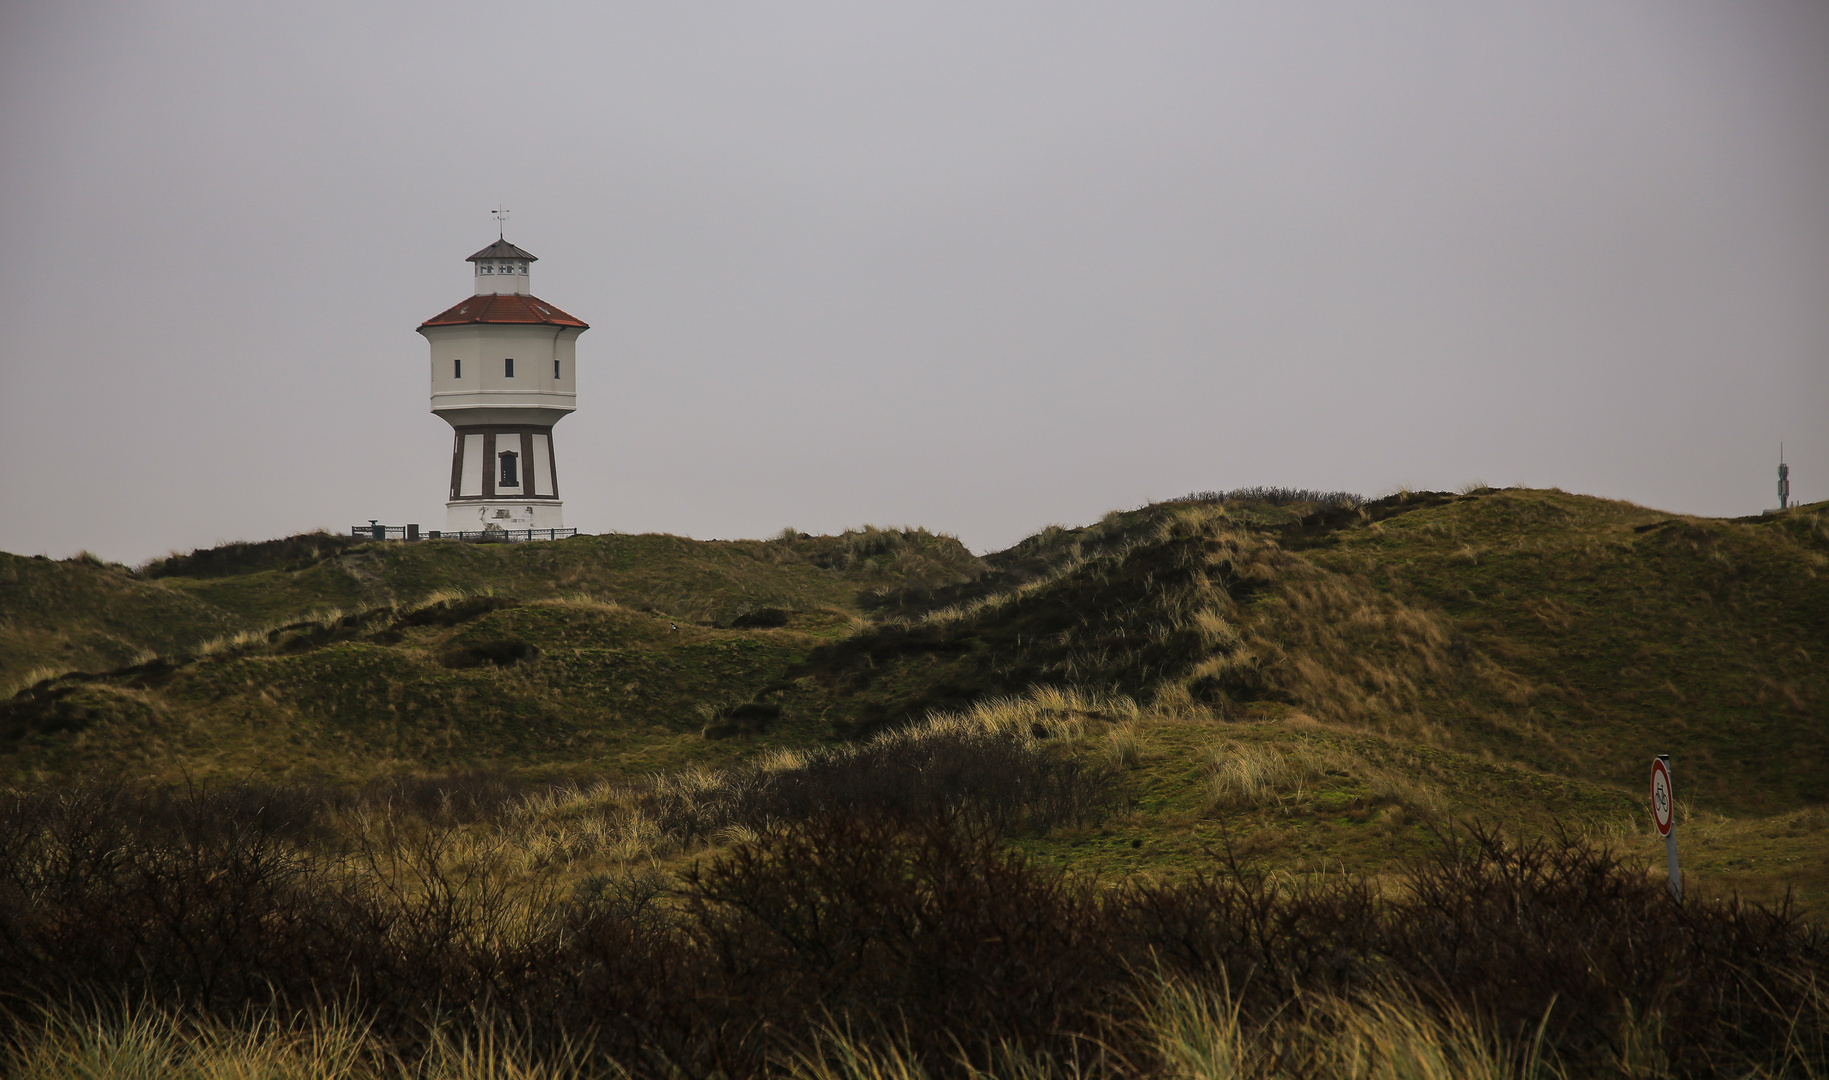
374	530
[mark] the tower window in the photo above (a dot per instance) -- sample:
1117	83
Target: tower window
485	268
555	369
511	472
508	368
457	368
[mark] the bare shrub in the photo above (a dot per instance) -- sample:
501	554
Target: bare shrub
912	928
1002	778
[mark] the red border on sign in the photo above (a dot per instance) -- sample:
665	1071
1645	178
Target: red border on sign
1670	808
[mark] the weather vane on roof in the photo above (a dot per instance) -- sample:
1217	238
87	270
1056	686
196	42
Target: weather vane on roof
501	223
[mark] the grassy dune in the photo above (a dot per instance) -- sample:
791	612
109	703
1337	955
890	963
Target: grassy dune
1518	654
588	654
1300	694
85	615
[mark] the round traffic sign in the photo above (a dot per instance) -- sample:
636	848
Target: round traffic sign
1662	803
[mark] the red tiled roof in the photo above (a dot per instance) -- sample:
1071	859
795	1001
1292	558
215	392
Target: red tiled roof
504	308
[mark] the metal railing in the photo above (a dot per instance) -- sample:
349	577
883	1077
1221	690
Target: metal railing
374	530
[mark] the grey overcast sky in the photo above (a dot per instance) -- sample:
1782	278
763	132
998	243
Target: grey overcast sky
976	266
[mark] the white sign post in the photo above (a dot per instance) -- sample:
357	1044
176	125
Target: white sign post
1663	814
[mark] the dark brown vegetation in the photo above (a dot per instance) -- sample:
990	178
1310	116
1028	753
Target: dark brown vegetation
914	927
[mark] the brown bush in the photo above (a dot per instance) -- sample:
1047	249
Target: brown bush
916	927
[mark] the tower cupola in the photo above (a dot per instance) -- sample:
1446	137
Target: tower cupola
501	268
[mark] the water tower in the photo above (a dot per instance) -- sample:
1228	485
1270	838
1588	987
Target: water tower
503	373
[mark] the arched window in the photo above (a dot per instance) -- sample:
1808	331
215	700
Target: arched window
511	471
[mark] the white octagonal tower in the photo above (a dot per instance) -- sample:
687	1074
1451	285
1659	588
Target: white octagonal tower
502	375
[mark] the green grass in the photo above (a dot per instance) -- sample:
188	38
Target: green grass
83	615
1517	655
1573	635
604	684
690	579
1631	633
1351	801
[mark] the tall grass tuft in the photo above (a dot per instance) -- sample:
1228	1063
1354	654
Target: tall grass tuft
1388	1035
153	1044
147	1043
1197	1033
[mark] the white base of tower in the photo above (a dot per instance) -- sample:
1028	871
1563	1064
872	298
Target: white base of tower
471	516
